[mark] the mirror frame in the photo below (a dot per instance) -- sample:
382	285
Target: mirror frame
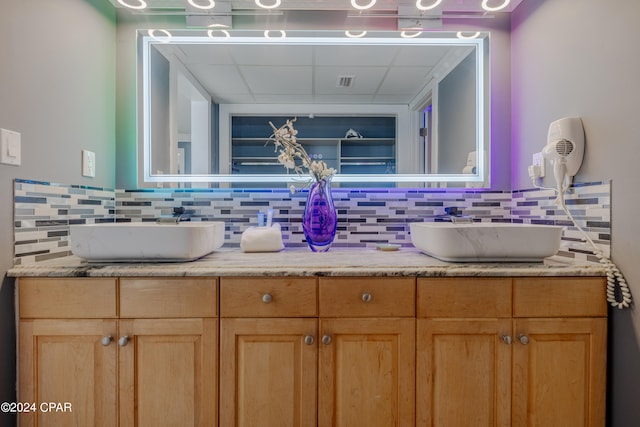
146	38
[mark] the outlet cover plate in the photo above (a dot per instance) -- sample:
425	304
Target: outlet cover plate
88	163
538	160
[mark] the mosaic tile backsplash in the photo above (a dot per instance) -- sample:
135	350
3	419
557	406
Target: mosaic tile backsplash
44	211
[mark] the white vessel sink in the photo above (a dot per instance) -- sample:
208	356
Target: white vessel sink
145	241
486	242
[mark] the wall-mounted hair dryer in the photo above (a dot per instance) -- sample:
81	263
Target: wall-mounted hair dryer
565	149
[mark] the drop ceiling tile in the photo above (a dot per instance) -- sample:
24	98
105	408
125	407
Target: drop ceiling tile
414	56
344	99
220	79
278	80
406	80
360	56
234	98
284	99
272	55
206	54
398	99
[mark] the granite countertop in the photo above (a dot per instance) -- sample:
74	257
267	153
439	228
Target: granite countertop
302	262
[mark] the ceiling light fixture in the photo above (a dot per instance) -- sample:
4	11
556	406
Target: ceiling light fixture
216	27
210	4
267	34
462	35
410	34
141	4
163	37
355	4
273	6
485	6
355	35
420	6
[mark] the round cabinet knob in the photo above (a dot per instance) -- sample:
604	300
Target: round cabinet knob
326	339
366	297
267	298
309	340
524	340
123	341
507	339
106	340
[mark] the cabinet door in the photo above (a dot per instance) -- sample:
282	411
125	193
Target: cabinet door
168	372
268	372
367	372
66	361
463	372
559	372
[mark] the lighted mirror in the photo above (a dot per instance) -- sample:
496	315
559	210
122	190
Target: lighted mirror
383	108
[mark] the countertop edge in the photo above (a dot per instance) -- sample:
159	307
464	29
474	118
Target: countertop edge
335	273
303	263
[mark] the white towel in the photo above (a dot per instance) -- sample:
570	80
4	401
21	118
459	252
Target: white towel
262	239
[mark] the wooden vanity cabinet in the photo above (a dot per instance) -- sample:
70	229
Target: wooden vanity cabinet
463	361
559	351
511	352
366	351
281	365
168	352
65	349
268	351
314	351
128	352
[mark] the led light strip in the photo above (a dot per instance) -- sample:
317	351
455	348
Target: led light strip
353	178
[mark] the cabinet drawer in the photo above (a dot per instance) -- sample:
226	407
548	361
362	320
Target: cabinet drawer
67	298
168	297
487	297
367	296
559	297
268	297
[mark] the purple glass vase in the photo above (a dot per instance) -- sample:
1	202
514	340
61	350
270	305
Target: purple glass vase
320	219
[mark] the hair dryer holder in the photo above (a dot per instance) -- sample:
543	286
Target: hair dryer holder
565	149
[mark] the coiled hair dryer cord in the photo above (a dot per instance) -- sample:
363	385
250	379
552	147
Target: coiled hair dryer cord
618	292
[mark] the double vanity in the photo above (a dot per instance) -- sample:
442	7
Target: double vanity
349	337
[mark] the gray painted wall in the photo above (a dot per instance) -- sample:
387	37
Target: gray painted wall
457	117
159	83
577	57
57	88
567	57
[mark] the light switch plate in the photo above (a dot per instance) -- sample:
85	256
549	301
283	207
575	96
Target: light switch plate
88	163
10	147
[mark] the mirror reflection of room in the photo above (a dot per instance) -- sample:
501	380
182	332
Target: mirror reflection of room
416	108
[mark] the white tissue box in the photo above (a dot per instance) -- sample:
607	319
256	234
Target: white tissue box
262	239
